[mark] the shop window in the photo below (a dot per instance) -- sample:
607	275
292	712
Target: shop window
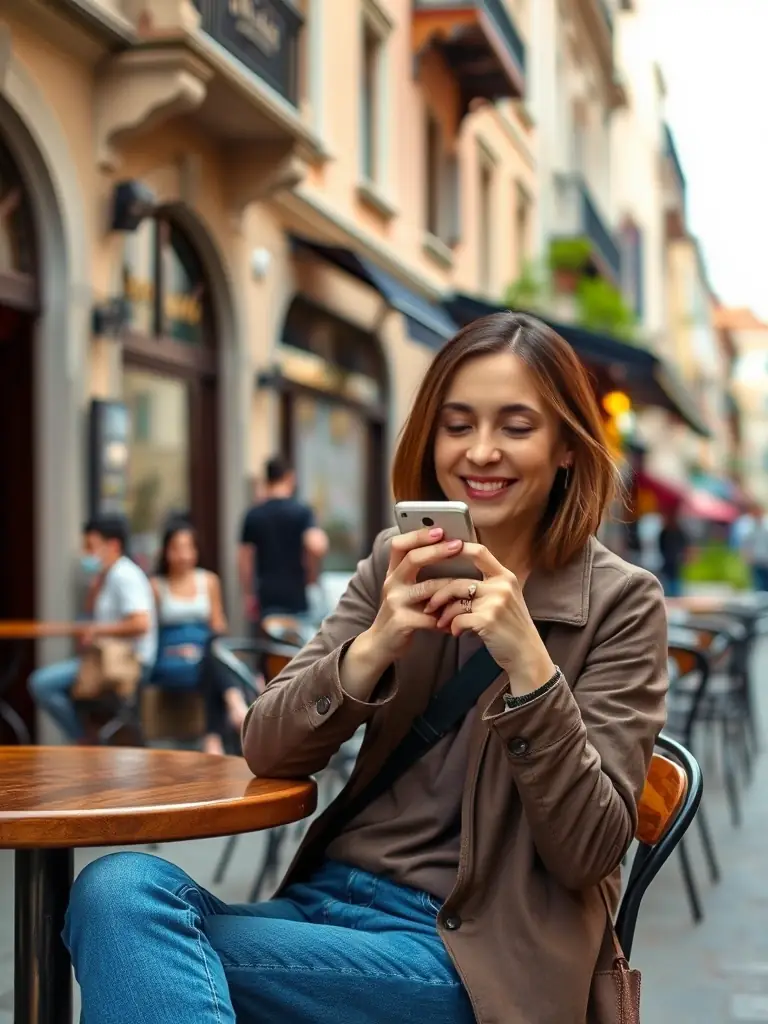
17	254
485	224
373	93
163	283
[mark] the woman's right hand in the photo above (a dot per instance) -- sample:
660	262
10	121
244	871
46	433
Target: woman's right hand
400	612
403	598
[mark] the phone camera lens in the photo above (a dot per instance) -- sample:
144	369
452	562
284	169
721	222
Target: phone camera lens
427	521
403	515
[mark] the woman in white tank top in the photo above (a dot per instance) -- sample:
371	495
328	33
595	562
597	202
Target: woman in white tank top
191	612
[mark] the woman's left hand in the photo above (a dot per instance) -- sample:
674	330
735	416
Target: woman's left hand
497	613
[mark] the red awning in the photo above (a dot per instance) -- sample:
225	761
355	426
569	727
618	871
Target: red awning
665	496
703	505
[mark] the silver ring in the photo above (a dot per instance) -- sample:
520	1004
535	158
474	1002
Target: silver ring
472	590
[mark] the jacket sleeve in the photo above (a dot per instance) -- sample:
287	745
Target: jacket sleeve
302	718
580	756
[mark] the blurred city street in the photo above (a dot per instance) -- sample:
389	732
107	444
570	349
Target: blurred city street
713	973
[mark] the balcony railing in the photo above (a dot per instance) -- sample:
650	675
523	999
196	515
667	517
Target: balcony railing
579	217
500	15
481	43
670	150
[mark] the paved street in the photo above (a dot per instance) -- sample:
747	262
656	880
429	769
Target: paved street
716	973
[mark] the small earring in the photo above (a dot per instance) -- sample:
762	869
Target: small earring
567	477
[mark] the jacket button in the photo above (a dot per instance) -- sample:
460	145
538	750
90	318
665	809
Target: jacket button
323	705
453	923
518	746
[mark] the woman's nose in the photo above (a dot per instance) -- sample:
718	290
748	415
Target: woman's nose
483	453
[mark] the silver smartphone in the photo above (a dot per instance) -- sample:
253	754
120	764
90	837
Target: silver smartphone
454	520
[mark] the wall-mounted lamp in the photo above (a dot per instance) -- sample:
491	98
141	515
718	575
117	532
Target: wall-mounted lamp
132	202
110	318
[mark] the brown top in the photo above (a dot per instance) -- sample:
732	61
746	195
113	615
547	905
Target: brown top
549	803
110	796
412	833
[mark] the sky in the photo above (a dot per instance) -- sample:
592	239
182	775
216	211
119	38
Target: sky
714	55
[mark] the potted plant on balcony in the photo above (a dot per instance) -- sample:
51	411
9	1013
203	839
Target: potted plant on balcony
567	259
602	308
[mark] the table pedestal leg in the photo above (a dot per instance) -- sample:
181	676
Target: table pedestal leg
43	980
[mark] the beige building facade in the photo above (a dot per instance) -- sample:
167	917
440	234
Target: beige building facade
240	221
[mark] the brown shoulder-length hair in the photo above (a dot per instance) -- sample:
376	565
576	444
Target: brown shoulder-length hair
574	512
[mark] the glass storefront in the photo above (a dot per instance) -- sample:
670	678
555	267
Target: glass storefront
333	427
330	445
158	458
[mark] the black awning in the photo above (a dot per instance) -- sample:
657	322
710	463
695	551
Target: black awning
646	378
427	322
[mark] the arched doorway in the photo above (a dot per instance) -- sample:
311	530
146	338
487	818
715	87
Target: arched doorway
170	387
18	311
333	426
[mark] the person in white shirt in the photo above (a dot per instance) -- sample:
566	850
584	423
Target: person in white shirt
123	606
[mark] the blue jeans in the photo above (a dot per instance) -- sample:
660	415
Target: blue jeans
150	946
50	688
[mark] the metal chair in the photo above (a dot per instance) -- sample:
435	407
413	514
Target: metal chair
271	658
669	803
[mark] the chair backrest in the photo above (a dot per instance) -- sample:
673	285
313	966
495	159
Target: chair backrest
667	807
663	794
284	629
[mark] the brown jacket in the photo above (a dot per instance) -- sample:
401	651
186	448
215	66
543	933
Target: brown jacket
549	804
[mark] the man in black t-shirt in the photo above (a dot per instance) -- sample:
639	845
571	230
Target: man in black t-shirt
281	548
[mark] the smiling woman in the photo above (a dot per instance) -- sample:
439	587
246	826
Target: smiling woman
457	875
506	421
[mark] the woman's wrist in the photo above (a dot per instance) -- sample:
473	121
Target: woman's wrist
362	666
531	673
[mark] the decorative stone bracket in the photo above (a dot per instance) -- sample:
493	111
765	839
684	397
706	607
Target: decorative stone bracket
141	89
258	170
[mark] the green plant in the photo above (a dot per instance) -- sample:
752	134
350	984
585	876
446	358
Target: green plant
716	563
602	308
528	291
569	254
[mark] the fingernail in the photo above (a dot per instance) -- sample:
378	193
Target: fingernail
435	534
455	545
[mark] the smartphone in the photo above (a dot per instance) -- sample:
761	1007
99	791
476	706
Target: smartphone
455	521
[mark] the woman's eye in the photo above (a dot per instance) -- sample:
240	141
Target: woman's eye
456	428
518	431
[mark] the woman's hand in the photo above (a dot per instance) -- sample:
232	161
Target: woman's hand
401	611
494	609
403	599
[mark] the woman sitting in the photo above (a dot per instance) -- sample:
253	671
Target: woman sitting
475	888
190	613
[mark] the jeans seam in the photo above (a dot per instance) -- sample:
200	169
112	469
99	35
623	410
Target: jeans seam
306	968
191	918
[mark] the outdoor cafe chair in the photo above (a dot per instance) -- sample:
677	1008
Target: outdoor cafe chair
270	658
669	802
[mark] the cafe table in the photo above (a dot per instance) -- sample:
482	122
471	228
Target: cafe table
54	799
14	634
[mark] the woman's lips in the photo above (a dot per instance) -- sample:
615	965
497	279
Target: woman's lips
486	489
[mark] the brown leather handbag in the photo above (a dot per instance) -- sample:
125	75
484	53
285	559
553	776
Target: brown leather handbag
108	666
615	994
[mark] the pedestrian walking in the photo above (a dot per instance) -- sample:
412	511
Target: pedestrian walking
470	883
281	550
673	549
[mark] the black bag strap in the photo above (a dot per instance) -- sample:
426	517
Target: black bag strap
446	709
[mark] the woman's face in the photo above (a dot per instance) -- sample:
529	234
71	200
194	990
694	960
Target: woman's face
497	445
182	551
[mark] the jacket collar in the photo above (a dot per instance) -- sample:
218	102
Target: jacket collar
562	595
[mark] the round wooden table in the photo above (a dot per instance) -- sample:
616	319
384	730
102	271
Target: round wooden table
53	799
